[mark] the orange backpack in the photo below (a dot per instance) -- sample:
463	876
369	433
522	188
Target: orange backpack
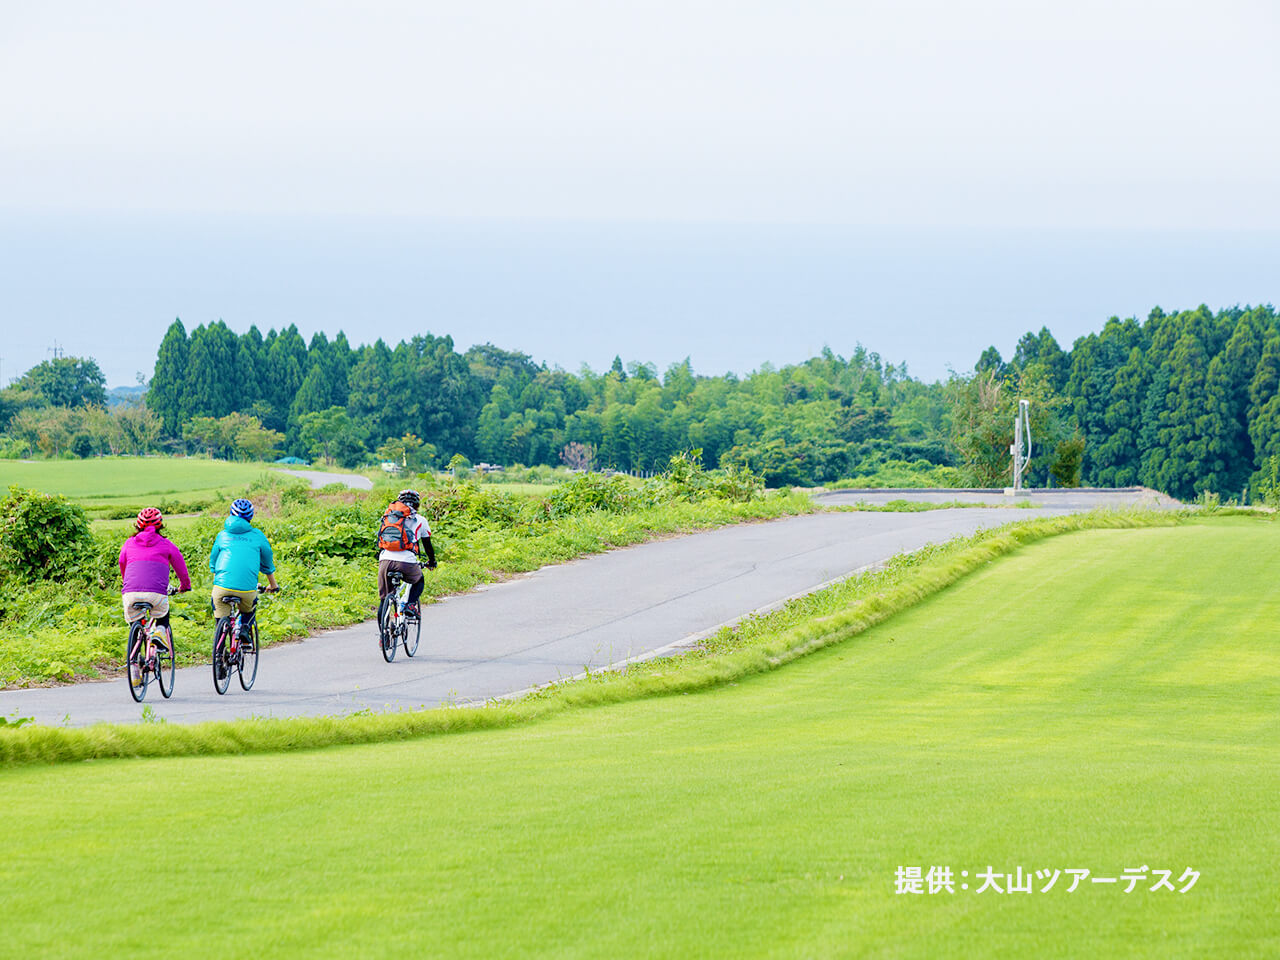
393	535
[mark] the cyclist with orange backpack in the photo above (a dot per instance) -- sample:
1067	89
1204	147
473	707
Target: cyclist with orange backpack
403	536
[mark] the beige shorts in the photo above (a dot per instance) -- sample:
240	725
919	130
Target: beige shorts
248	600
159	605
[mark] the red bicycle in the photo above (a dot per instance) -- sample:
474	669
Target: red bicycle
149	654
233	647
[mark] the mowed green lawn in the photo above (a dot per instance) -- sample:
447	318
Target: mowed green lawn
102	480
1099	701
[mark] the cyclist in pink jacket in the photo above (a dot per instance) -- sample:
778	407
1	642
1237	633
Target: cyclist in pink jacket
145	561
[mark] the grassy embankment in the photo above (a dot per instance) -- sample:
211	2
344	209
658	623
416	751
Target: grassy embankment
1104	700
325	558
757	644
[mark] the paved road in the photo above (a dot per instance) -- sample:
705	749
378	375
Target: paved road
545	626
1054	501
318	479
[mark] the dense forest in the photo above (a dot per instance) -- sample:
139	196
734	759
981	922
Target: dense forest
816	421
1185	403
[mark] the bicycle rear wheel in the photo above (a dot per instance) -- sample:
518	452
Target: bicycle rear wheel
387	629
221	657
412	630
165	668
135	666
249	658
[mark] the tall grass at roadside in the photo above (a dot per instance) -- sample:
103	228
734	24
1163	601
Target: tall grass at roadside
326	558
758	645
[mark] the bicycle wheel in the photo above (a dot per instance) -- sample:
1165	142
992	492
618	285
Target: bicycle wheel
412	630
221	658
135	664
165	668
249	658
387	630
382	614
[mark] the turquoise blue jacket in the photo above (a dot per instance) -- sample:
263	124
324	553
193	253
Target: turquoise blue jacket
240	552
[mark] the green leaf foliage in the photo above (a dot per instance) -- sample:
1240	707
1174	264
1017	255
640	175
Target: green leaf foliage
42	537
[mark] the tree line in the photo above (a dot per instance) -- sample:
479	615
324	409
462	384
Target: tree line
1185	402
61	408
421	401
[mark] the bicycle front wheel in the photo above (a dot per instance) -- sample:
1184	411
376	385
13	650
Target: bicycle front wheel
249	659
135	666
166	668
412	629
221	655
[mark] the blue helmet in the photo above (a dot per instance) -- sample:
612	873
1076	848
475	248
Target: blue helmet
242	508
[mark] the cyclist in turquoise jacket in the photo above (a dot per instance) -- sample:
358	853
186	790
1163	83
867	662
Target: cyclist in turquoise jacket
240	552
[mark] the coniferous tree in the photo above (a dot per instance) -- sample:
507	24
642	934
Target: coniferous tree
212	388
166	393
250	370
285	368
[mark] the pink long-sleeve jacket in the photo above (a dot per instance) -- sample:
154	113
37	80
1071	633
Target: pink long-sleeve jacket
145	560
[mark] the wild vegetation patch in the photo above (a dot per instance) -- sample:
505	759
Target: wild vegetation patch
62	620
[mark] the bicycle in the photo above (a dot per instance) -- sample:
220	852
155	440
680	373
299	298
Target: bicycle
230	651
154	657
395	624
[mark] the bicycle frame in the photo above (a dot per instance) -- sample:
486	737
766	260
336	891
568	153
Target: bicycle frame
236	623
399	596
230	653
152	661
145	625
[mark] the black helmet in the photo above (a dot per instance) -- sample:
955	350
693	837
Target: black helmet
409	498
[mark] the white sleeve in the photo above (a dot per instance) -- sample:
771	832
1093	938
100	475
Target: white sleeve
424	528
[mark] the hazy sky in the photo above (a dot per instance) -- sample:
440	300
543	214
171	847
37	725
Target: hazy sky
1025	115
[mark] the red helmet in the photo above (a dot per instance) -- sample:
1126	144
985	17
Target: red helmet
150	517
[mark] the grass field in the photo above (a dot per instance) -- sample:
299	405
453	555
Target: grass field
110	480
1103	700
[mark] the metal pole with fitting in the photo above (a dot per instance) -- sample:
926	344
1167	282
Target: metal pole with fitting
1021	448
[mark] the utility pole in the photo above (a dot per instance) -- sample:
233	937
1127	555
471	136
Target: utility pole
1021	448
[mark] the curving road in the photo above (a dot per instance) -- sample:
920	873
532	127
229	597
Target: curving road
318	479
552	624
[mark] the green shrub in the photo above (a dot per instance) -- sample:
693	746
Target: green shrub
590	491
41	536
299	494
903	473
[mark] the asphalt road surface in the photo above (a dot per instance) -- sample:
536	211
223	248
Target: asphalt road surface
548	625
318	479
1052	501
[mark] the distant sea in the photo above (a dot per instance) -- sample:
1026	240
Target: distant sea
729	297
